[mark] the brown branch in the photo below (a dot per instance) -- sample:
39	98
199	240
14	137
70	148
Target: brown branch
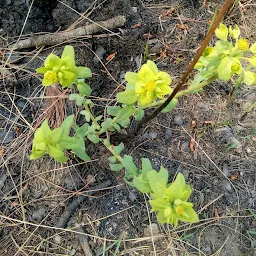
60	37
198	54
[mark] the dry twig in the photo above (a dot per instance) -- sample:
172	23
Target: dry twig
60	37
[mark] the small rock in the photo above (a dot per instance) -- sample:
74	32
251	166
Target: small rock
227	186
2	180
132	196
138	61
13	58
152	230
134	9
6	136
185	146
168	134
57	239
178	120
248	150
201	104
39	214
100	54
226	170
152	135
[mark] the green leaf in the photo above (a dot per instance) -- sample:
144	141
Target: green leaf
189	215
57	154
249	77
127	97
52	61
253	48
86	114
66	125
116	167
112	159
93	138
139	114
74	96
146	167
158	181
82	130
221	32
71	142
131	77
130	167
83	72
224	69
113	110
80	152
68	52
80	101
117	127
235	33
55	135
179	189
141	184
253	61
118	149
170	106
84	89
124	115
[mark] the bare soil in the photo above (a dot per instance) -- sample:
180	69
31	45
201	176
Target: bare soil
117	219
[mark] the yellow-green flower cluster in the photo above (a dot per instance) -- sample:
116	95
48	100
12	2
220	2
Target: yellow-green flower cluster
146	86
225	59
62	70
171	202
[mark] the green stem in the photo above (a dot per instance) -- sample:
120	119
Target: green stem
109	147
91	115
195	87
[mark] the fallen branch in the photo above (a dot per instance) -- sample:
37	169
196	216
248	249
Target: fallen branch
64	218
83	242
60	37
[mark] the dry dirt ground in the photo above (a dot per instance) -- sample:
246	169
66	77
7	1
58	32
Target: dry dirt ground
116	219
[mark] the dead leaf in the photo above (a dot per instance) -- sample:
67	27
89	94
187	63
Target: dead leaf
167	13
2	150
183	27
216	214
193	124
234	176
192	145
111	56
136	26
163	54
90	179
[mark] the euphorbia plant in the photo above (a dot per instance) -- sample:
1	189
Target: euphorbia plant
144	90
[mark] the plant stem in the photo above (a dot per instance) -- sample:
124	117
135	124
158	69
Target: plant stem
200	51
195	87
91	115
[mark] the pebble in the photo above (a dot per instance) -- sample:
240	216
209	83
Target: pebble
185	146
152	135
13	58
2	180
132	196
39	214
226	170
100	51
152	230
6	136
167	134
248	150
178	120
228	186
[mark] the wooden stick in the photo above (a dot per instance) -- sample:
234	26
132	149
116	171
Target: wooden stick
200	51
60	37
